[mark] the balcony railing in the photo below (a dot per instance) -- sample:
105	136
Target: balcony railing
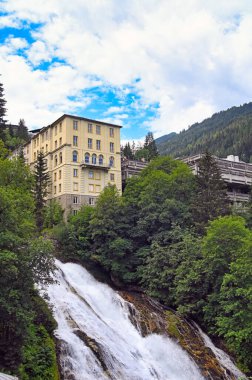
90	165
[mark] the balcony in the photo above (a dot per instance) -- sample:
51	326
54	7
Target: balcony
90	165
238	197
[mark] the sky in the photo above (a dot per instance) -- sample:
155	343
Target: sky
148	65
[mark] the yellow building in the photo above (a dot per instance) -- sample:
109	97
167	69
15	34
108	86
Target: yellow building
82	156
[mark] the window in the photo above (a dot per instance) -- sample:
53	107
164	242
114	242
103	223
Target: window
90	128
91	201
97	188
111	132
60	188
101	159
112	177
55	144
75	140
111	147
98	144
75	125
59	174
90	143
75	212
91	188
75	200
55	176
43	137
75	156
55	160
98	130
34	143
60	157
97	175
56	130
75	186
34	156
75	172
60	141
46	148
111	162
46	135
60	127
87	157
91	174
94	159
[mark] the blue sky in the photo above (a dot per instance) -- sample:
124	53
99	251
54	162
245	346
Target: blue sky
148	65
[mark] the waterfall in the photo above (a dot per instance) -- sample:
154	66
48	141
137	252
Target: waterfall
98	339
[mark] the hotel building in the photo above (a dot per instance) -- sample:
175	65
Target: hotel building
82	156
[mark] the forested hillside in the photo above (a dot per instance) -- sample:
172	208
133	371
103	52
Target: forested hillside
226	132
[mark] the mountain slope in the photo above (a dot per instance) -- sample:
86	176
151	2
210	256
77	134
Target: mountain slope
226	132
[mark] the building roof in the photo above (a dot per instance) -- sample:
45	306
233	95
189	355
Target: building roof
35	131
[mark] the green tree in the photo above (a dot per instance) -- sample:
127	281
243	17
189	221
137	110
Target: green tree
2	106
150	145
53	214
210	200
127	152
234	322
2	112
42	180
22	131
111	246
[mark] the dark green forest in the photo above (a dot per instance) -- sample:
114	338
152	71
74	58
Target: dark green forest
226	132
152	238
27	346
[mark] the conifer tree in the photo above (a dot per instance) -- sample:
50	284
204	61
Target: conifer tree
42	180
210	200
127	151
22	131
150	145
2	112
2	105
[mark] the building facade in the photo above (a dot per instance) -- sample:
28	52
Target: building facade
131	168
82	156
237	175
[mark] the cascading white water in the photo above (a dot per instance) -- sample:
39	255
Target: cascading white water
223	358
100	342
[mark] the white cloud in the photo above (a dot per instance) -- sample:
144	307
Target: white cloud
192	58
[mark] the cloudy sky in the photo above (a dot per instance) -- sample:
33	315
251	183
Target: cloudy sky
157	65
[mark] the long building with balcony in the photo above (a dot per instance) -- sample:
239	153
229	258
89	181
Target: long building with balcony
82	156
236	174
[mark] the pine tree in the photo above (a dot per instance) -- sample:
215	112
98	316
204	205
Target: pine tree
42	180
210	200
2	105
22	131
2	112
127	151
150	145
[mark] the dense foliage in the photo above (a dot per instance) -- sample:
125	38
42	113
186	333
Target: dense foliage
226	132
147	152
41	183
25	321
151	237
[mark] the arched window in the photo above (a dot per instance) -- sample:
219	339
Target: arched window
55	160
100	159
87	156
94	159
75	156
60	158
111	162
